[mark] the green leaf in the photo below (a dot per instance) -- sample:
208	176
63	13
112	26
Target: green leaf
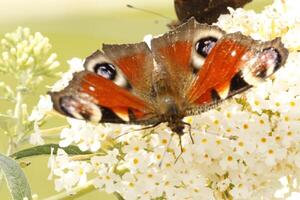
6	122
15	178
46	150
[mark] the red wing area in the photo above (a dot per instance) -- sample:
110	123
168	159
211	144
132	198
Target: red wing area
180	53
132	67
108	95
234	65
136	63
173	59
177	56
221	65
93	98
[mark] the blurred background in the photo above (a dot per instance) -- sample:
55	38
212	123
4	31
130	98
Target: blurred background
76	29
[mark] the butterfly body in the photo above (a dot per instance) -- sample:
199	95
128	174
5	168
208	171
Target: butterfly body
186	71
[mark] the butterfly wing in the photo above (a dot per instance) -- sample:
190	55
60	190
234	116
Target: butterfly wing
205	66
181	53
205	11
108	90
235	64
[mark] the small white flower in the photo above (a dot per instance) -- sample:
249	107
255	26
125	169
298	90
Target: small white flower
81	169
274	154
229	161
44	105
76	65
137	161
67	181
36	137
241	191
107	180
89	141
110	159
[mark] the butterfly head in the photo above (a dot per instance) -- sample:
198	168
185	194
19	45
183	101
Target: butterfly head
177	126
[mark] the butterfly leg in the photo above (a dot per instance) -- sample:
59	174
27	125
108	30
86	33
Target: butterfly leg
190	131
141	129
165	152
181	150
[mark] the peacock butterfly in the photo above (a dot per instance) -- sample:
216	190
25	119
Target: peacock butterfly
203	10
186	71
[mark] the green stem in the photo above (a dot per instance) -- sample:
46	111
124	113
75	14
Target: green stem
79	191
54	129
118	196
18	114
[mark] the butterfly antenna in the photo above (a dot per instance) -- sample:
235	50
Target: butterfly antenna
148	11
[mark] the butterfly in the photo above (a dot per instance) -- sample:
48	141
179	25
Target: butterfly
186	71
203	10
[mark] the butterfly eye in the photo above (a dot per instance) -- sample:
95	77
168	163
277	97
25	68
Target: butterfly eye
205	45
106	70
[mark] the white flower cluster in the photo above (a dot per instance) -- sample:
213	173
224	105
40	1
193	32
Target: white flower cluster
45	104
21	50
241	150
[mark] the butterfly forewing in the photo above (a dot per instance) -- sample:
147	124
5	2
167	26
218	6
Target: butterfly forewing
108	90
136	62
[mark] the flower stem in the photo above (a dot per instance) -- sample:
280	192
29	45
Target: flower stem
54	129
18	114
79	191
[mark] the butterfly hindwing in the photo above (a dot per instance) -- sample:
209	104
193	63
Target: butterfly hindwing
235	64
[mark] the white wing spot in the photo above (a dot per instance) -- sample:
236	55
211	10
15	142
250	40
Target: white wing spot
92	89
233	53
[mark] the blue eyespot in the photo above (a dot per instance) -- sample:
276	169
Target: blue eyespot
205	45
105	70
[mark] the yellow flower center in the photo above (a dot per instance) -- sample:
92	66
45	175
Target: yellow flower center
204	140
270	151
229	158
216	122
135	161
292	104
245	126
263	140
